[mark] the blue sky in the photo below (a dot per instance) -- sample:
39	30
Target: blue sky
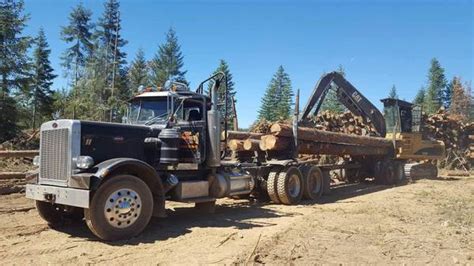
379	43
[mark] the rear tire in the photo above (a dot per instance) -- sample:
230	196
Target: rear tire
272	186
312	182
120	209
290	186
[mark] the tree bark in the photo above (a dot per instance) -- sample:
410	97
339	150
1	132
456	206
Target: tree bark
240	135
310	134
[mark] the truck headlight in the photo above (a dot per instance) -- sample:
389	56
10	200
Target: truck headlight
36	160
84	162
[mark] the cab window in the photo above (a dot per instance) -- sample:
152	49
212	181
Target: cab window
190	110
145	109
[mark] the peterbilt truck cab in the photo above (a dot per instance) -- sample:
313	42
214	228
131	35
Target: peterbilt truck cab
119	175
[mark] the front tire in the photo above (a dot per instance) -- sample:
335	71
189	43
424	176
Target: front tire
120	209
50	212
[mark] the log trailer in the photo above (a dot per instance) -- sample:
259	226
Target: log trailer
117	176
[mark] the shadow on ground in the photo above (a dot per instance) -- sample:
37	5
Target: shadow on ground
236	215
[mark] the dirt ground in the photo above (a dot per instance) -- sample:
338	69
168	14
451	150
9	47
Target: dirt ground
8	186
427	221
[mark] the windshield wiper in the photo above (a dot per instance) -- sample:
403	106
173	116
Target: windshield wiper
154	119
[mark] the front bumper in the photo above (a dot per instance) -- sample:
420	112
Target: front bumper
59	195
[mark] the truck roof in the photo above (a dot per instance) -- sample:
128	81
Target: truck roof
167	93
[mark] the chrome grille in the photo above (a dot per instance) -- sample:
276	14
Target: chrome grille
54	155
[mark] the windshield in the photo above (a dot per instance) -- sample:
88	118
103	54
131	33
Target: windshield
147	109
391	119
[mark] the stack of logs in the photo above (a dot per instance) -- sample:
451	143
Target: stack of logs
442	126
310	141
346	123
456	135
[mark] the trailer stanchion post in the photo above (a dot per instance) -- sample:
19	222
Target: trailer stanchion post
295	124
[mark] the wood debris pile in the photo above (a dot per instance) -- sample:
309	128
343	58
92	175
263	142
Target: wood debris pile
456	137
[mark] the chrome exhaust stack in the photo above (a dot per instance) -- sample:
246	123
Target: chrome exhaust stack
214	129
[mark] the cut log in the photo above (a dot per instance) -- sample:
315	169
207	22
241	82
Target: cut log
19	154
242	135
251	144
236	145
275	143
306	147
310	134
261	145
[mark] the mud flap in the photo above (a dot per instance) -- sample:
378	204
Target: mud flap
159	210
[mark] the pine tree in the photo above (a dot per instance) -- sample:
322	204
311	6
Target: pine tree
138	72
331	101
42	79
461	101
278	98
90	99
168	62
108	32
447	94
78	34
436	87
420	97
111	43
224	67
110	39
393	93
14	63
61	102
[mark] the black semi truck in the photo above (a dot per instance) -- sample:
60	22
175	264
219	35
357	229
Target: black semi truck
118	175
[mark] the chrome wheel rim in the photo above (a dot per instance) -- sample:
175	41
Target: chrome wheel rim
122	208
294	185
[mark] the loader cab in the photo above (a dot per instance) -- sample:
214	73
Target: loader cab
401	116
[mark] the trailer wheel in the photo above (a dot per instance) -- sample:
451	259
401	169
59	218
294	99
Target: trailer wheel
120	209
399	172
312	182
51	213
272	185
385	172
290	186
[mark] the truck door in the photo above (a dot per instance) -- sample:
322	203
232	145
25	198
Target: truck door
192	123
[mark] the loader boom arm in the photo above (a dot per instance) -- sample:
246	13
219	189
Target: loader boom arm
349	96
